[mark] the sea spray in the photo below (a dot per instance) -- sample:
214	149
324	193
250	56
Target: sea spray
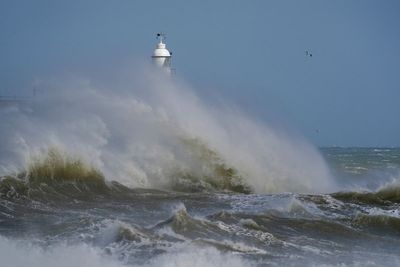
151	131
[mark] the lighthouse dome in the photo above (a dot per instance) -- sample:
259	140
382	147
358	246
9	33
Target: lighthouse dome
161	51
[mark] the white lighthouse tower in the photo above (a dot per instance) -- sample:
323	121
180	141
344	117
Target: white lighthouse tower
161	56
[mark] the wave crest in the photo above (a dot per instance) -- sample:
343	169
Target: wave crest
58	168
385	196
380	223
56	173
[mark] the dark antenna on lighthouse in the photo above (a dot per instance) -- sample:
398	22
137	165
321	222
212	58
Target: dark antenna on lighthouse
161	36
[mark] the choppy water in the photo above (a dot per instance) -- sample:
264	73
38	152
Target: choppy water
107	224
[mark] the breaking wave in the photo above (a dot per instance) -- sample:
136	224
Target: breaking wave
152	132
62	176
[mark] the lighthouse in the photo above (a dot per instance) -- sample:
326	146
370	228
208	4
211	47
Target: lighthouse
161	56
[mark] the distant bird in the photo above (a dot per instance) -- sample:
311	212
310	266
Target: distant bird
308	53
317	131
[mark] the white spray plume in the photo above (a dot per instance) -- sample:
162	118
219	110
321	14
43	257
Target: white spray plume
133	129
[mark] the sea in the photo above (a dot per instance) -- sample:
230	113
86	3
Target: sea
140	170
91	222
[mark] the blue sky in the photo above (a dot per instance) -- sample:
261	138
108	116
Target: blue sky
249	52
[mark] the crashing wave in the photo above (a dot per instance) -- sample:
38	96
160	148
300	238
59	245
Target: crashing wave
58	173
151	132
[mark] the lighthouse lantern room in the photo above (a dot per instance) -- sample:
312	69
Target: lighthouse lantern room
161	56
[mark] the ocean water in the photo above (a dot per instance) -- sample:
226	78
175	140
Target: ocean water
146	173
95	224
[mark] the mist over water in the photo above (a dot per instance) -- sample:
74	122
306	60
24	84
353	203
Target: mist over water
148	130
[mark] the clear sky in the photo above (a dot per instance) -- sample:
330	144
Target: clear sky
250	52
